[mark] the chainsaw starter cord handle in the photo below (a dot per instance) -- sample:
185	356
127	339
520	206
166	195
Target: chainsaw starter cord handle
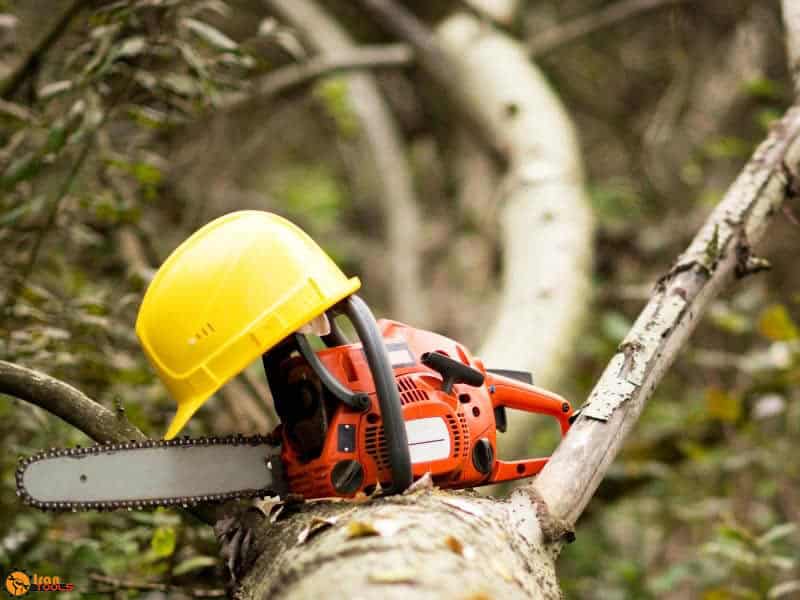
394	426
356	400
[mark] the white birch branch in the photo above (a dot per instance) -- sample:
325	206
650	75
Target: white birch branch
545	220
719	252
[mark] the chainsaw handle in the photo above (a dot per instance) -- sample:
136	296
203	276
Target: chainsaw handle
394	426
514	394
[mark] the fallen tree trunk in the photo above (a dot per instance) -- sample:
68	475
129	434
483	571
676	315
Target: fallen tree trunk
427	544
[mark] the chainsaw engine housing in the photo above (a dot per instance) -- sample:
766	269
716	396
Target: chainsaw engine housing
448	407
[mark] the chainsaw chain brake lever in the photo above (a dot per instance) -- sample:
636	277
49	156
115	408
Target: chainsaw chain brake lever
452	371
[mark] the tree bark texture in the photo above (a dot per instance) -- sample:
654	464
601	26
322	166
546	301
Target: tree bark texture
427	544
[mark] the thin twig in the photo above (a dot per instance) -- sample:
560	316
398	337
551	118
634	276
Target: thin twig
27	66
564	33
55	205
720	251
289	78
128	584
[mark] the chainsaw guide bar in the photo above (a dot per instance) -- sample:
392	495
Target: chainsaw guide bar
135	475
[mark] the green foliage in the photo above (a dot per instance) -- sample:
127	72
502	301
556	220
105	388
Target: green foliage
77	163
333	94
314	193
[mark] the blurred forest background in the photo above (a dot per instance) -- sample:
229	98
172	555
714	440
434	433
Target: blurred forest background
138	121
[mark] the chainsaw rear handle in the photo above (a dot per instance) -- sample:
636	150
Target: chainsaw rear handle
514	394
394	427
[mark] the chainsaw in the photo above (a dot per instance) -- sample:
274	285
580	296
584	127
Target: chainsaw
355	417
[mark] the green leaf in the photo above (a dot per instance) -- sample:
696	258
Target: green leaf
194	564
776	533
24	209
210	35
333	92
775	324
24	167
761	87
132	46
727	147
722	405
162	544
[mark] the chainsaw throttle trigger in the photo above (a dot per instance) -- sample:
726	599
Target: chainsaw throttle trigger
452	371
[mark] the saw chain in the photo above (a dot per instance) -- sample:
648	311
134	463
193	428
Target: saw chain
138	504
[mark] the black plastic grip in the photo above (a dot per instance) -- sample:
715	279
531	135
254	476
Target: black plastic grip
394	426
452	371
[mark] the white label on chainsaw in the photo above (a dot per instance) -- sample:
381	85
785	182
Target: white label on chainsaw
428	439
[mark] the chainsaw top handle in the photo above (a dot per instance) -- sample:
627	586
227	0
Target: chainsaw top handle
394	428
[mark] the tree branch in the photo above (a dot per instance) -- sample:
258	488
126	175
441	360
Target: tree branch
791	20
291	77
564	33
125	584
76	408
66	402
27	65
720	251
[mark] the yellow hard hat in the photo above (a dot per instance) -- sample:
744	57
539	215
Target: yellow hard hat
226	295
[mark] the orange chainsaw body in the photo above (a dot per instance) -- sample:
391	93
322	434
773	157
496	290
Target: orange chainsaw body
451	434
